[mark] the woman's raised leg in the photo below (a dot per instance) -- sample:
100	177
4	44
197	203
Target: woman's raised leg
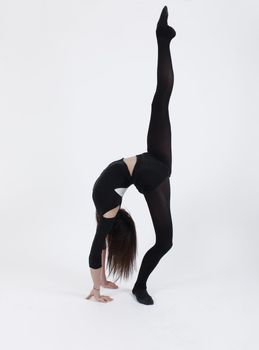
159	130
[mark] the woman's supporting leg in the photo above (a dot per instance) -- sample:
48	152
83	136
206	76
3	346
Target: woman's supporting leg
159	131
158	202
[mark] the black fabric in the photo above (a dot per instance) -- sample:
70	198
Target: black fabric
115	175
158	202
148	173
103	228
143	297
151	173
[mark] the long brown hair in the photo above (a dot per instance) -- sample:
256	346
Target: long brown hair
122	245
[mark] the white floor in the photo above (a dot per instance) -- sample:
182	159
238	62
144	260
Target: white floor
43	307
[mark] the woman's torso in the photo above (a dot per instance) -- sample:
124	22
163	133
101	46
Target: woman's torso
143	170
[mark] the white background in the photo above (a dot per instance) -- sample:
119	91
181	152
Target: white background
77	81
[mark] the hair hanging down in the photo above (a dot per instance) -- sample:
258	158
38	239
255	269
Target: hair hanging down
122	245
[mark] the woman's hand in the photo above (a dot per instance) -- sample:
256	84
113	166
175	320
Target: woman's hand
96	294
108	284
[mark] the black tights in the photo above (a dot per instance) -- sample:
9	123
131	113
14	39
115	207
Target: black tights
159	144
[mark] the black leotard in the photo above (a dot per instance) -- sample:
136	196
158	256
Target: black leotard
111	184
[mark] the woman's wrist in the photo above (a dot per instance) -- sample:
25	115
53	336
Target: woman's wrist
96	276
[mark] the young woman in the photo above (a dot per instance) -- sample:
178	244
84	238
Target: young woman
149	172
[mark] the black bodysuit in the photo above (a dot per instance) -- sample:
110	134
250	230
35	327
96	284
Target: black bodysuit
110	187
112	183
151	172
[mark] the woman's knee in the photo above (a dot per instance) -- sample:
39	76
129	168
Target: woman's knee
165	246
168	246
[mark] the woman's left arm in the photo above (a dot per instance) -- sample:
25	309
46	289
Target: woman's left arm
103	275
97	257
